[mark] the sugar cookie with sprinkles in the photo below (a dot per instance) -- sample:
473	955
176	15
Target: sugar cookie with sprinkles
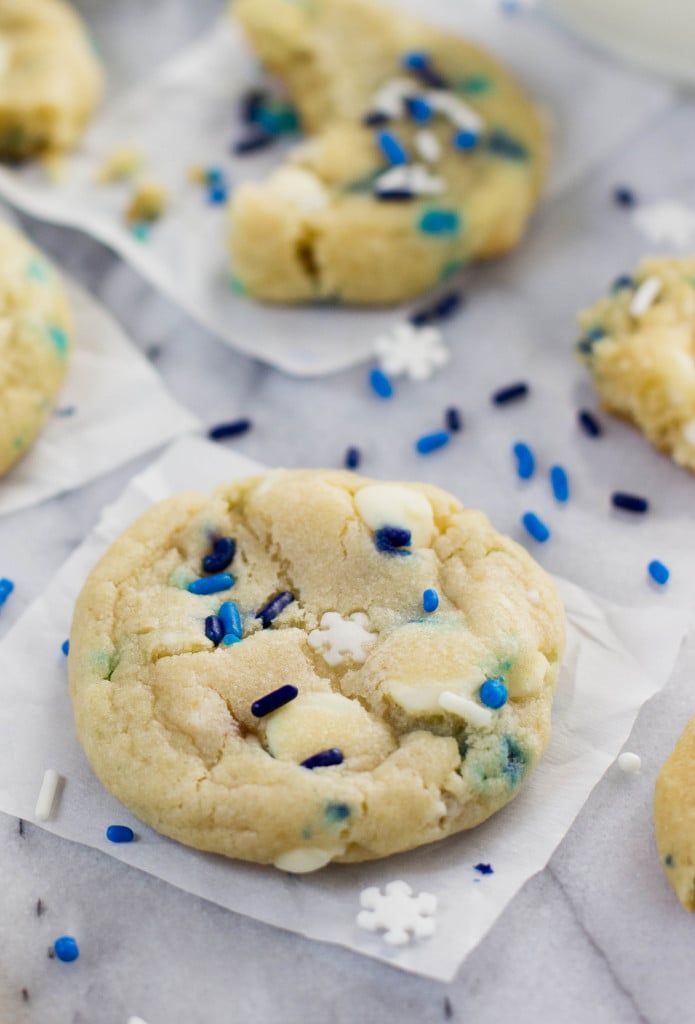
253	672
638	344
674	817
423	154
35	340
50	78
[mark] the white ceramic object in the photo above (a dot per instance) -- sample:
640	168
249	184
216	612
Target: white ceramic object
658	34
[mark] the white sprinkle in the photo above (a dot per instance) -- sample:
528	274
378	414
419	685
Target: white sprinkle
666	221
645	295
414	177
630	763
47	794
458	112
474	713
136	1020
533	596
389	99
428	146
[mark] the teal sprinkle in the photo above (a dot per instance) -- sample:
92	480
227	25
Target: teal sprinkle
141	231
440	222
59	338
336	812
452	268
37	270
506	146
516	760
474	85
277	117
237	286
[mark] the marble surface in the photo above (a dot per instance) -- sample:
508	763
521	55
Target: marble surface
598	936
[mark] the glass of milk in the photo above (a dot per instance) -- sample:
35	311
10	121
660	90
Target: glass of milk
658	34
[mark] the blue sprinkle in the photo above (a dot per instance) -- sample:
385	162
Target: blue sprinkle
392	540
430	600
445	306
66	949
214	630
65	647
629	502
6	588
440	222
119	834
223	552
510	393
324	759
217	194
536	527
415	60
484	869
465	140
587	341
380	383
335	812
419	109
211	584
525	461
431	442
232	429
231	620
453	420
274	700
231	638
493	693
215	176
272	609
659	572
353	457
624	196
420	63
589	424
392	148
375	118
504	145
559	483
254	141
624	281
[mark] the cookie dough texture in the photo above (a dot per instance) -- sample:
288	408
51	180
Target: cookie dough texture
643	363
50	78
165	717
35	332
674	817
314	230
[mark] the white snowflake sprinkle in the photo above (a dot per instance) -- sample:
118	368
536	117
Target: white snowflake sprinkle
666	221
398	912
415	352
338	638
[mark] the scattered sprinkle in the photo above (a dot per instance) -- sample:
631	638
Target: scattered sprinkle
120	834
511	393
667	222
255	140
419	109
536	527
223	552
392	539
559	483
375	118
440	222
444	307
629	502
233	429
211	584
6	588
624	196
525	461
395	195
65	647
465	140
249	105
430	600
398	913
324	759
47	794
392	148
659	572
420	63
431	442
214	630
484	869
503	145
630	763
589	423
645	296
427	146
274	700
587	341
414	352
380	384
493	693
453	420
624	281
66	949
353	457
231	621
272	609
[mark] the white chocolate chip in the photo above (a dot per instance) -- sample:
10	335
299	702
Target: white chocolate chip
299	187
527	674
321	720
394	505
465	708
533	596
630	763
301	861
645	296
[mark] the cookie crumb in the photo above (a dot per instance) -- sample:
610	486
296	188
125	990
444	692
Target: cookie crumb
148	202
121	164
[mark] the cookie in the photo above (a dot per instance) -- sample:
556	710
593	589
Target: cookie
424	155
674	817
254	673
638	346
35	339
50	78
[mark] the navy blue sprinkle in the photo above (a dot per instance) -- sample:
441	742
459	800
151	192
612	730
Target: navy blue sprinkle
624	281
629	502
394	195
274	700
484	869
420	64
392	540
256	140
223	550
272	609
453	420
353	457
374	118
232	429
589	424
444	307
587	341
324	759
624	196
510	393
214	630
250	105
501	144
